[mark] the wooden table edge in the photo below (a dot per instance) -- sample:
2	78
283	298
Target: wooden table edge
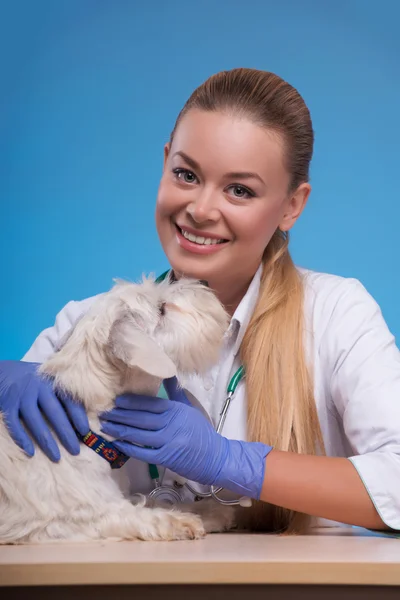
327	573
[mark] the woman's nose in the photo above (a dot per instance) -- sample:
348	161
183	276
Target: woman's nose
204	208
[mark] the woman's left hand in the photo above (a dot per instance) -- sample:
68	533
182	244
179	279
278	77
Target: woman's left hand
175	435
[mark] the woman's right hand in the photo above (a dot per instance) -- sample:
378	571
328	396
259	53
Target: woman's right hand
27	399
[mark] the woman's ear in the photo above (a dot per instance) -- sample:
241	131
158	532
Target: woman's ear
294	206
167	148
130	344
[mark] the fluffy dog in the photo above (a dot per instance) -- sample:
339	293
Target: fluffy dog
131	338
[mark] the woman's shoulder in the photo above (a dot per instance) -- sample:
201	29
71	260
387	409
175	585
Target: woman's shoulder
75	309
321	282
330	298
321	286
51	338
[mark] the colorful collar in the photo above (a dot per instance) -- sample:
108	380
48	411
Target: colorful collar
105	449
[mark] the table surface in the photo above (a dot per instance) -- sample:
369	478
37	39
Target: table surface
324	556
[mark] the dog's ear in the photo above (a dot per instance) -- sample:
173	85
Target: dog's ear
128	342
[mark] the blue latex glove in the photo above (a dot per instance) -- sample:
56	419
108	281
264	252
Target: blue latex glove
180	438
27	397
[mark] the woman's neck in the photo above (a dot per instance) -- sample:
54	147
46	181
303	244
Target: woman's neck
231	294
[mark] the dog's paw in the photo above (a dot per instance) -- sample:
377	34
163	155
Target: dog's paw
175	525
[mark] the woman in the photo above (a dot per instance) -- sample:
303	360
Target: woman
319	404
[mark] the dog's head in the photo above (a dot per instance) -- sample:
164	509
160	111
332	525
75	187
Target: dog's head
168	327
164	329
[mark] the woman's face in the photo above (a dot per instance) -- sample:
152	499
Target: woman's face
222	195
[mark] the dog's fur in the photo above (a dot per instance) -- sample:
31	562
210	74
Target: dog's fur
131	338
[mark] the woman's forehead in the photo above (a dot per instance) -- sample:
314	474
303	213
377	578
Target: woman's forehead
227	142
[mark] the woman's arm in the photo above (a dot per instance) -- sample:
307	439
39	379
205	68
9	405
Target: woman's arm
360	366
320	486
28	399
177	436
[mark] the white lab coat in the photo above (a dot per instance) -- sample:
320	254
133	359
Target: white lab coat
356	381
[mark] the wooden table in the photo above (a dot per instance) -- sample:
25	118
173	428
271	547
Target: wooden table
327	563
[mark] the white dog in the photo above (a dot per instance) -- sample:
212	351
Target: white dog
131	338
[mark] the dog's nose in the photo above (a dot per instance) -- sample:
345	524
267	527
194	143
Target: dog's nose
204	282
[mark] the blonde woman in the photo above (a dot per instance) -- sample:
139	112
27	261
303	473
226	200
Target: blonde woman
314	427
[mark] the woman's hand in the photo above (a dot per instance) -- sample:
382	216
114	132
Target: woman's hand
173	434
28	399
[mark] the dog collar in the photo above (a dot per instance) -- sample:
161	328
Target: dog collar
105	449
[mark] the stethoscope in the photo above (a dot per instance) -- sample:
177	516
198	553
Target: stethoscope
171	496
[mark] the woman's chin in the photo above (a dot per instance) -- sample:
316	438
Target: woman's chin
191	264
194	268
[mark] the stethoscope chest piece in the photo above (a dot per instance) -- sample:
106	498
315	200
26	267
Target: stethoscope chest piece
164	495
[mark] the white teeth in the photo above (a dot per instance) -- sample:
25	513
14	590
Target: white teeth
198	239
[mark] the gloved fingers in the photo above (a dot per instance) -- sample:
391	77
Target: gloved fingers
14	425
137	402
76	412
133	435
174	391
148	455
35	423
54	412
136	418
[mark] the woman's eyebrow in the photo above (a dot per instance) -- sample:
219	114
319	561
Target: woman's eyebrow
233	175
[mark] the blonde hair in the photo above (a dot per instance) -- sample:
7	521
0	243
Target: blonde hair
281	404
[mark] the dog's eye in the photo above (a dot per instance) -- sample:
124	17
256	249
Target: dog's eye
161	309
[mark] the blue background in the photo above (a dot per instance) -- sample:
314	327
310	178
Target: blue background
90	90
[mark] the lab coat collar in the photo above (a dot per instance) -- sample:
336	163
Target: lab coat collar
242	315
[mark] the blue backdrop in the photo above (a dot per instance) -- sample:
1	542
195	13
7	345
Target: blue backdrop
90	90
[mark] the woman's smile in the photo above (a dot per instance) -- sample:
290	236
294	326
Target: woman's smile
197	241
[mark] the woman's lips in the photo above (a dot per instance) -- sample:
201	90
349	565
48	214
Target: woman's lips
199	233
197	248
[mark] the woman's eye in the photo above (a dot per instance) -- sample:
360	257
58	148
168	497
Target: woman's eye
185	175
239	191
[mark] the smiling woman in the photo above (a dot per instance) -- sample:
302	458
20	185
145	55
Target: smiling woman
224	181
314	428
